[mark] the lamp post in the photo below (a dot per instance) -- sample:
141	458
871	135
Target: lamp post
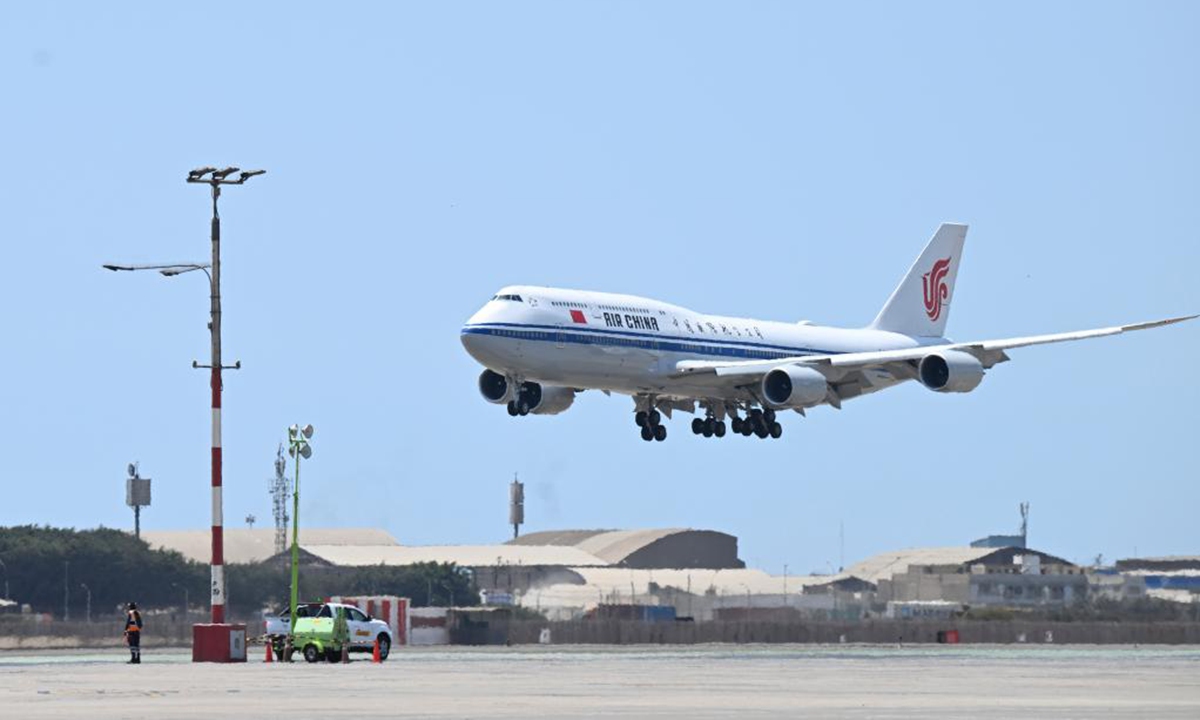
785	595
215	179
186	599
298	447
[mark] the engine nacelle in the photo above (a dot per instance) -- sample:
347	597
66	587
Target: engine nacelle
794	386
950	371
548	399
541	400
495	388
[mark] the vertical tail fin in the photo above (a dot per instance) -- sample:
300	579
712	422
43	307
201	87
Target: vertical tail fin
920	304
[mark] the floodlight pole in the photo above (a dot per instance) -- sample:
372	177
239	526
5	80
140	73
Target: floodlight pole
295	594
215	179
299	449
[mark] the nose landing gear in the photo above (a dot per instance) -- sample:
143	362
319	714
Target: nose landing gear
528	398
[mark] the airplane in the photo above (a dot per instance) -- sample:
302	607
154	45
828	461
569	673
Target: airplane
540	346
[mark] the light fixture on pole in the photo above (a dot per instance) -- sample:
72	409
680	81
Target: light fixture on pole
298	447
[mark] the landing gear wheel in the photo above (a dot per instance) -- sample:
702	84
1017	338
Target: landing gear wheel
697	426
747	428
654	418
512	408
776	431
769	416
522	407
736	425
719	428
640	418
708	428
647	433
761	431
660	432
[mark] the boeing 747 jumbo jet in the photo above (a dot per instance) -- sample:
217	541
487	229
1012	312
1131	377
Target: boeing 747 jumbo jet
540	346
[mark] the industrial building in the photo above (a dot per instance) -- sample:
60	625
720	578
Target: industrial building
563	573
973	576
1175	577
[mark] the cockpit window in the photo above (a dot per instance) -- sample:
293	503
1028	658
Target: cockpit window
514	298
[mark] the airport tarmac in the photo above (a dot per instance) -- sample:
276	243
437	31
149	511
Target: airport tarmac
629	681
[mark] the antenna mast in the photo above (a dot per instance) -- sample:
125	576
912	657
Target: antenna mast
281	489
1025	524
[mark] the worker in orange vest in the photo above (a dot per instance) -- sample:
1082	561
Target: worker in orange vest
133	634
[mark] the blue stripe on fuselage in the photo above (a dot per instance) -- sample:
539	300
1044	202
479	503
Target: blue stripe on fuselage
597	336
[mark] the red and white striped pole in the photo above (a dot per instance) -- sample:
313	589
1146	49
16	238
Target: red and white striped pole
218	535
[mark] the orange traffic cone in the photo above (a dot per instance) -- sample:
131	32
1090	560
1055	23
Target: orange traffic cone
270	653
375	653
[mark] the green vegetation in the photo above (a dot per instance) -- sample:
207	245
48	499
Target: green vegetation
46	564
119	568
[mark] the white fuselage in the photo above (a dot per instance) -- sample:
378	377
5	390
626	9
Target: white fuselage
632	345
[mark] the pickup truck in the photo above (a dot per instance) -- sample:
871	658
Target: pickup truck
364	630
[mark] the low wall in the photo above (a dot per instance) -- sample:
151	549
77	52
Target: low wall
874	631
158	631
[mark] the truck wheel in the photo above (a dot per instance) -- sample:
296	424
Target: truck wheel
312	653
333	656
385	646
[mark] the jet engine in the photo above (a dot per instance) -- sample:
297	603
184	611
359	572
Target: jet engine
950	371
538	399
548	399
794	386
494	387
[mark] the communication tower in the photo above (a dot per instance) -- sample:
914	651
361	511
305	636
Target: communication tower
137	496
281	489
1025	524
516	505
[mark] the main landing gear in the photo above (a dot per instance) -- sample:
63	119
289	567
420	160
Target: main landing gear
651	424
758	422
709	427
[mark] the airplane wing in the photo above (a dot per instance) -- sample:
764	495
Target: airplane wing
890	365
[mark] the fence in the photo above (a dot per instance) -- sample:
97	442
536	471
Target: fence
875	631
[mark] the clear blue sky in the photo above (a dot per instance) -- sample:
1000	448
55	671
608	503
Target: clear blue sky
778	160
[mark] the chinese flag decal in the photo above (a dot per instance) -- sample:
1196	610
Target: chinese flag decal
577	316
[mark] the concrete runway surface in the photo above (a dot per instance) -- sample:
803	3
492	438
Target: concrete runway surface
626	681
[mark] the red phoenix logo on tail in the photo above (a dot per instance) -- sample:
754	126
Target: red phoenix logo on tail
936	291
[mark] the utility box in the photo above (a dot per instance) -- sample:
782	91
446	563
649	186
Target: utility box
218	642
137	492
